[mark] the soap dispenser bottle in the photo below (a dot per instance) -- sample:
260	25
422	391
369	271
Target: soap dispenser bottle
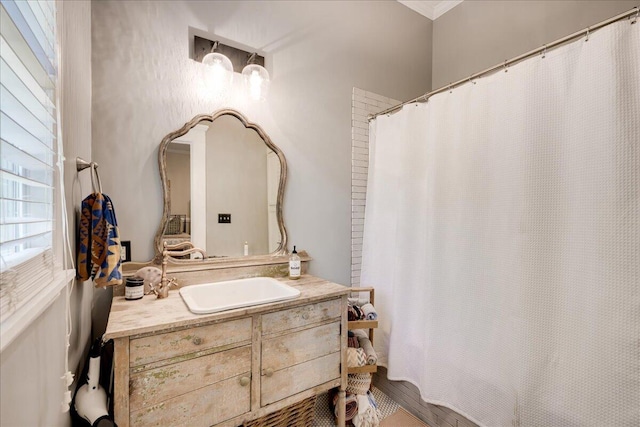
294	265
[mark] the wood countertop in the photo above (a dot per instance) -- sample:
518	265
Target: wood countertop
151	314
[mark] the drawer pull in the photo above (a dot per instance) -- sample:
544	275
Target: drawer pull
305	316
196	341
268	372
244	381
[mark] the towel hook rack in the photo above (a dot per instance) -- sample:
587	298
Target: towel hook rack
82	164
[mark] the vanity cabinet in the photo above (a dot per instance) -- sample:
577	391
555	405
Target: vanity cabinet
226	368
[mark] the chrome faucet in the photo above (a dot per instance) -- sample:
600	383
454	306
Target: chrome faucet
184	248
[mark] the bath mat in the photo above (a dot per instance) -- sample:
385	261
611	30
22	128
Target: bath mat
402	418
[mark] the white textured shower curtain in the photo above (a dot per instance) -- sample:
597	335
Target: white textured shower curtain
502	234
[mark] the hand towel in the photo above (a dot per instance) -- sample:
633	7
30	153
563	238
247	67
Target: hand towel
358	301
355	313
84	266
373	402
369	312
99	242
365	344
359	333
356	357
353	342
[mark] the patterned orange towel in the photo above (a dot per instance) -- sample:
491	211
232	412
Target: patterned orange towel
98	242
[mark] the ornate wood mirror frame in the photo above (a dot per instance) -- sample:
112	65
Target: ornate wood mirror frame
162	163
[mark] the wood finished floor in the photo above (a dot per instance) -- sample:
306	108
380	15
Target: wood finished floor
402	419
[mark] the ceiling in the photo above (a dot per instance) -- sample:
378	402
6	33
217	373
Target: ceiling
431	9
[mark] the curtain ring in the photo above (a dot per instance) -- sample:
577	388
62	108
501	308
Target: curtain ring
450	91
506	69
587	39
544	52
635	17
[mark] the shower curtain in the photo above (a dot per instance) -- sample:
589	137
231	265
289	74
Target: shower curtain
502	234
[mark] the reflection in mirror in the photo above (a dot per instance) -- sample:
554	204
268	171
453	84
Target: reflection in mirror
223	180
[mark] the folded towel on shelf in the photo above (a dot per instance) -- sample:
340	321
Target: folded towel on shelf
356	357
367	415
354	313
358	301
353	342
369	312
358	383
365	344
359	333
99	242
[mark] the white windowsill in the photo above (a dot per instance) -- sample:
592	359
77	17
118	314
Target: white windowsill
25	315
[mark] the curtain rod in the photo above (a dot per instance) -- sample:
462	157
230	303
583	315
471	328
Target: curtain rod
422	98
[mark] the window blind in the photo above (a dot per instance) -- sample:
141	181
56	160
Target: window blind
28	132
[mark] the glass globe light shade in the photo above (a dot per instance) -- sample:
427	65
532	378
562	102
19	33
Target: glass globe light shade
218	73
256	81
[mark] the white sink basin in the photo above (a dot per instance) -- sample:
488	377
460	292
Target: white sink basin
220	296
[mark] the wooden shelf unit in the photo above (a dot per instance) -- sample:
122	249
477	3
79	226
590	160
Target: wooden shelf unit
364	324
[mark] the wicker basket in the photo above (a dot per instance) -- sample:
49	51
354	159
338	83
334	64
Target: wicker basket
299	414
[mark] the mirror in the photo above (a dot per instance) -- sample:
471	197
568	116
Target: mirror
223	184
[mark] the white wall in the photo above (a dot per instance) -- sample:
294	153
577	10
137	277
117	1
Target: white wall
476	35
145	85
178	174
31	390
237	185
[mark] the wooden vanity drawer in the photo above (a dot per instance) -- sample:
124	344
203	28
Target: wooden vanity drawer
158	385
299	361
300	316
299	347
297	378
203	407
165	346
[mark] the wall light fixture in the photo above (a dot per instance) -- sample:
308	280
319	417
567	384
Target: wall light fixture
222	60
219	72
256	79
